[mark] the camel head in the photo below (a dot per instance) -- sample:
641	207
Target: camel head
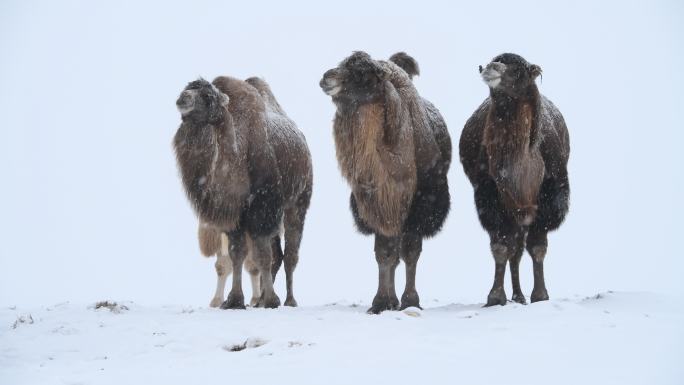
201	102
357	78
510	74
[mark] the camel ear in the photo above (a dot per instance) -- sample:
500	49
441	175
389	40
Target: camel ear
535	71
224	99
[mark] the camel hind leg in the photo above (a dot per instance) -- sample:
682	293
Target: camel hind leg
411	247
277	251
553	206
255	278
263	258
514	265
294	227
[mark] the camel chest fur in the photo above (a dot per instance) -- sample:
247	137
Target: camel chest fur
383	179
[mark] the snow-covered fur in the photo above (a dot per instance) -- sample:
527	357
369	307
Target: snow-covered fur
246	169
394	150
514	150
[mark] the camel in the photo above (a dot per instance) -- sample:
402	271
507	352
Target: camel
514	150
246	169
394	150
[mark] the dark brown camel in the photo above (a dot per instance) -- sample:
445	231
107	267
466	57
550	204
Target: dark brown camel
514	150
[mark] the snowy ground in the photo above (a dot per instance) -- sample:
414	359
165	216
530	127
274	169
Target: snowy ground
92	194
608	338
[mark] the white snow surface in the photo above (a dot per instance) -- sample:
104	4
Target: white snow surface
607	338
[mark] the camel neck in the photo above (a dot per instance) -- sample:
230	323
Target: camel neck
226	142
511	124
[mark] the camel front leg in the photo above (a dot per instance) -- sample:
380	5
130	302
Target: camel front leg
223	267
394	300
536	246
263	258
238	253
503	248
387	256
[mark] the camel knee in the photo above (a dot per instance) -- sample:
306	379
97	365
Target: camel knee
386	257
238	248
250	265
536	246
223	266
538	253
291	260
501	252
411	247
385	249
261	254
220	269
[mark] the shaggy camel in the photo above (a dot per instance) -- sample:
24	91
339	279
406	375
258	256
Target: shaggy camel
514	150
394	150
246	169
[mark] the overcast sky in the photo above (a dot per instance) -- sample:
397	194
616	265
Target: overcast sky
91	206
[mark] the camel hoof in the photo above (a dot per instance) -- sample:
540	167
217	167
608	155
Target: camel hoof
393	303
269	302
234	301
216	302
376	309
539	295
380	304
290	301
410	300
496	297
519	298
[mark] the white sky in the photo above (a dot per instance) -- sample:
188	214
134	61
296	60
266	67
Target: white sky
91	205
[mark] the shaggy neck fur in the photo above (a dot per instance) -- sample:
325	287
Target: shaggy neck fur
210	158
512	143
377	158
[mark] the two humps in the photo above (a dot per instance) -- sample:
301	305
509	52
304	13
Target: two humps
246	169
394	150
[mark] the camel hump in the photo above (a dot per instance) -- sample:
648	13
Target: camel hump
406	62
265	91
